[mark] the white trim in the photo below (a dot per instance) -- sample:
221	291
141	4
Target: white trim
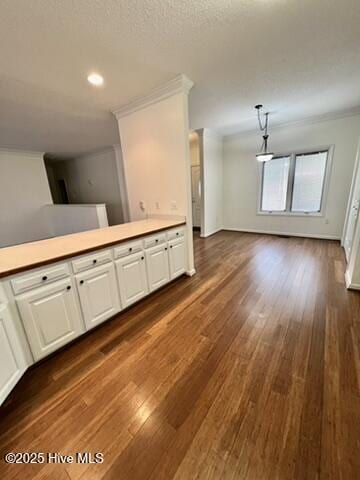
349	285
208	234
191	272
179	84
352	188
19	151
351	112
288	234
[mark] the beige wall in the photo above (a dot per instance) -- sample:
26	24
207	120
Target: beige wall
24	191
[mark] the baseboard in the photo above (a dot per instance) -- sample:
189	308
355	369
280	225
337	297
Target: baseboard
349	285
211	233
288	234
191	272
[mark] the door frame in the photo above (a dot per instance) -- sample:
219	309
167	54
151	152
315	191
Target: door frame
356	173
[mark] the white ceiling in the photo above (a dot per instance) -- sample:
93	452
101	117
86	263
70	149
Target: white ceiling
300	58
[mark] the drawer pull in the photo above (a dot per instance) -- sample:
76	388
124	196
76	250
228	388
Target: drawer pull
156	240
68	287
177	233
81	282
94	261
165	248
44	278
142	258
130	249
171	246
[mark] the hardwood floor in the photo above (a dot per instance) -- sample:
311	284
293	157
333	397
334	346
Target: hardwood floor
248	370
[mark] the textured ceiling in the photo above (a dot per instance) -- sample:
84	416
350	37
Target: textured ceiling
299	58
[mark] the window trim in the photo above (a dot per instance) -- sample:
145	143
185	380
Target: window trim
290	186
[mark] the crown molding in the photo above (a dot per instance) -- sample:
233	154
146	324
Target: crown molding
352	112
179	84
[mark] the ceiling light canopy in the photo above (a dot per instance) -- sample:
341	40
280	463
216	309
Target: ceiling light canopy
264	155
96	79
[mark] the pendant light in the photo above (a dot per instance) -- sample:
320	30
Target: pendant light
264	155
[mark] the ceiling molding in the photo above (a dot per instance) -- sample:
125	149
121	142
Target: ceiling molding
179	84
352	112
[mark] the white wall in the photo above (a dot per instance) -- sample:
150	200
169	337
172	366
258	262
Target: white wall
154	153
155	145
24	190
242	181
93	178
212	182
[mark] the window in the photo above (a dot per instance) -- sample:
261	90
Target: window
308	182
294	183
275	182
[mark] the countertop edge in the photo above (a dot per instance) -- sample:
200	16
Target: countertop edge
58	258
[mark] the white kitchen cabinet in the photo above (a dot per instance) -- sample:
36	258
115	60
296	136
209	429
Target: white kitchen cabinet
98	294
157	266
177	258
50	316
131	272
12	358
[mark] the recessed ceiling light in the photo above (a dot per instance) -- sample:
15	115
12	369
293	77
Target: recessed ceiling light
95	79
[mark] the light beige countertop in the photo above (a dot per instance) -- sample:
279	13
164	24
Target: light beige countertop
34	254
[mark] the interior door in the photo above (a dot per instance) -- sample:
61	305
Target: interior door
352	215
196	195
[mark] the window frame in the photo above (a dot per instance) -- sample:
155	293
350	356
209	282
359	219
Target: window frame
291	178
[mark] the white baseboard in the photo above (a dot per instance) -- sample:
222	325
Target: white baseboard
288	234
349	285
208	234
191	272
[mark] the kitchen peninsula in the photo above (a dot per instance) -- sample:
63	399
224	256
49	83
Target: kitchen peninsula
54	290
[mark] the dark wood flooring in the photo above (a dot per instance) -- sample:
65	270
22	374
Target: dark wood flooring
248	370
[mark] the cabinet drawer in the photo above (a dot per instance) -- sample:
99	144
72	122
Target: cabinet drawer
41	277
154	240
93	260
127	249
175	233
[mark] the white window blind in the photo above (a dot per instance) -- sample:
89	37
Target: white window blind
275	183
308	184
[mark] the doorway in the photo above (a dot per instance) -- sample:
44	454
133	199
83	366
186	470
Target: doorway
196	181
196	195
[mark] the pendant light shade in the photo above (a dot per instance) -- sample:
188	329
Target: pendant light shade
264	157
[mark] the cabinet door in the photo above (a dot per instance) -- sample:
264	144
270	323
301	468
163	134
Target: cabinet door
12	359
50	316
131	273
157	266
99	295
176	258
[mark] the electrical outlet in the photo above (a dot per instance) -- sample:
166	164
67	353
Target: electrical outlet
327	221
157	205
173	205
142	205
